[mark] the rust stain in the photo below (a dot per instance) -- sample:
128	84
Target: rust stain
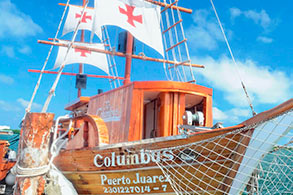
26	185
41	186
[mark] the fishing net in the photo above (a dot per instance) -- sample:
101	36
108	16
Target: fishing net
254	159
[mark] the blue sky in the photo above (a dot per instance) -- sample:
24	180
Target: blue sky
260	34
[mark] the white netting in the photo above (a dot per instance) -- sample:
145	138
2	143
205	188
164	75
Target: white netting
241	161
276	172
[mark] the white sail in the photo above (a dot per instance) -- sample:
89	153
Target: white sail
74	16
83	56
140	18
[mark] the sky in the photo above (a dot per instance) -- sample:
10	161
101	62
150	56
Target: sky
259	32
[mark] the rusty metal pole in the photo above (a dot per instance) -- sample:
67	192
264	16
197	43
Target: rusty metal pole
129	47
33	152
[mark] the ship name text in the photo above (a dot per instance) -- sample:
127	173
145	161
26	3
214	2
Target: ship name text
142	157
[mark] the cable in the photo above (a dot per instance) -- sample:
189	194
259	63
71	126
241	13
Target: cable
232	56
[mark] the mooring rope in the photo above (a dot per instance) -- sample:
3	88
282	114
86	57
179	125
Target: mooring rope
55	148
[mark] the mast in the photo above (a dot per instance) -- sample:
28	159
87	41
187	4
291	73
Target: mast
81	65
129	47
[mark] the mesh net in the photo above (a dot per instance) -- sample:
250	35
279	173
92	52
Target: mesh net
245	160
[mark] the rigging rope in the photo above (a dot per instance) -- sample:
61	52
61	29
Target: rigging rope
175	44
232	56
28	109
52	90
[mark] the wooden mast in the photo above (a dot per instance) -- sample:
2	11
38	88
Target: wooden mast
81	65
129	47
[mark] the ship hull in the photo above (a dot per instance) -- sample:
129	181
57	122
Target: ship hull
134	167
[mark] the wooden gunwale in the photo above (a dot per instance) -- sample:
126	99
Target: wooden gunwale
266	115
82	155
163	139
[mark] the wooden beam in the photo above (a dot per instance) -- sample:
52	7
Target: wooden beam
172	26
169	6
186	10
74	74
120	54
184	40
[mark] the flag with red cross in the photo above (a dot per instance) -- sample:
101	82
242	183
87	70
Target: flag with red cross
140	18
75	15
82	56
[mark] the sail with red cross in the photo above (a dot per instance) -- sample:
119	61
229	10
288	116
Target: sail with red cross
76	55
75	15
140	18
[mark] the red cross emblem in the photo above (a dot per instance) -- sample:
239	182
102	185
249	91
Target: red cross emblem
129	13
84	17
82	52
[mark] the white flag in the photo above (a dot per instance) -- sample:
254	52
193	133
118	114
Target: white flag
74	16
83	56
140	18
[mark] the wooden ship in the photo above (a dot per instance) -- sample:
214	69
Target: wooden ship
147	137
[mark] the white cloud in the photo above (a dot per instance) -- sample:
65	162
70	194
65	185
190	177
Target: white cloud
240	112
25	103
8	51
265	39
263	84
15	23
235	12
6	79
206	33
261	18
218	114
6	106
232	116
25	50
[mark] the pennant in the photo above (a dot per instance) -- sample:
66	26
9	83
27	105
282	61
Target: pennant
140	18
74	16
82	56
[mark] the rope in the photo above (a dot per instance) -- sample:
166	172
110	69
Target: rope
52	90
20	171
177	40
232	56
111	59
28	109
54	148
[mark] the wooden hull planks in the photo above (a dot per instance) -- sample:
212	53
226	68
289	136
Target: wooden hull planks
98	170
